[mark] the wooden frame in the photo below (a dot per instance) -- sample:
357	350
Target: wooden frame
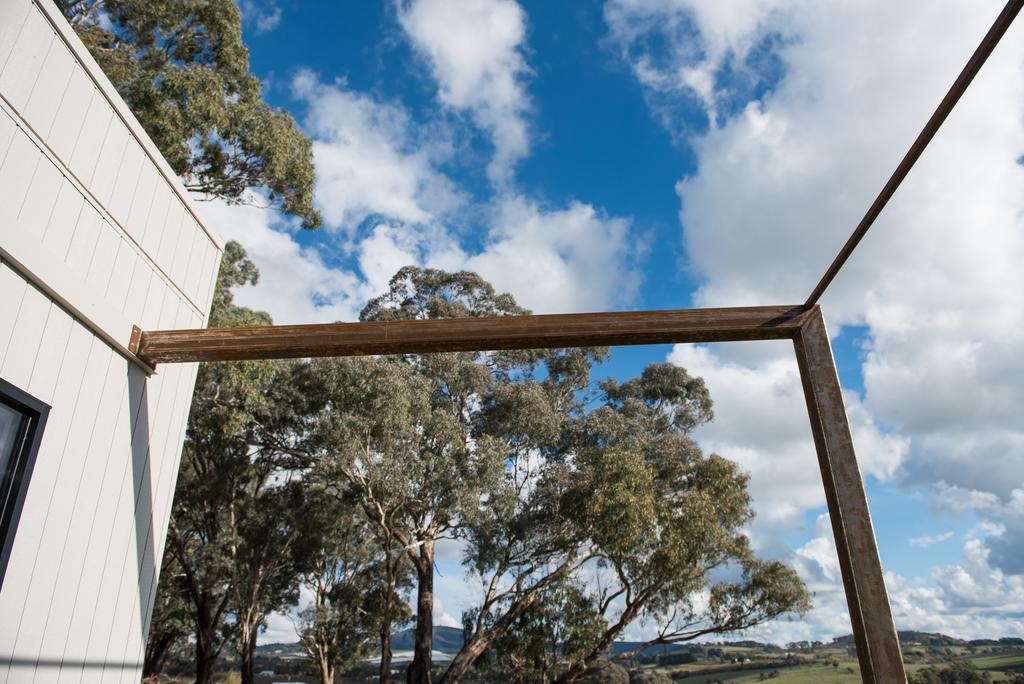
878	647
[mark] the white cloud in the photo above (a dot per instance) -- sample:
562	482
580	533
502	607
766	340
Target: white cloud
295	284
554	260
262	16
782	178
926	540
970	600
474	49
371	159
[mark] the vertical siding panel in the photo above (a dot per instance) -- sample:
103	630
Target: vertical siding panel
61	226
170	236
113	621
44	101
12	18
183	252
94	593
138	291
12	290
51	352
161	518
29	537
82	487
68	123
107	244
92	629
158	216
28	331
142	202
7	129
83	242
128	178
108	162
59	511
15	176
40	198
90	137
121	274
159	293
26	60
164	457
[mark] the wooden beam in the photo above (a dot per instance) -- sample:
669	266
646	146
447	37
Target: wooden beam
878	646
956	91
471	334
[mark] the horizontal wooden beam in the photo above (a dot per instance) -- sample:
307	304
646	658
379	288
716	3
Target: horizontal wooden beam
472	334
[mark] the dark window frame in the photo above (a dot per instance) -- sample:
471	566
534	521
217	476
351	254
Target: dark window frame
14	488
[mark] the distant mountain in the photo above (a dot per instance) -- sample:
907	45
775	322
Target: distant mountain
910	636
446	639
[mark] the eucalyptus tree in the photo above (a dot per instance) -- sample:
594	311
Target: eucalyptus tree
625	501
374	435
183	70
345	572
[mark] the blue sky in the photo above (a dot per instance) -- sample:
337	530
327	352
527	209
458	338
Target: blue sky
671	153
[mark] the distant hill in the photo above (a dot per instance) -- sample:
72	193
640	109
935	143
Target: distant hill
910	636
449	640
446	639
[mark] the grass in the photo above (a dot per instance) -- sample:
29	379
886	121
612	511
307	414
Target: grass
1007	662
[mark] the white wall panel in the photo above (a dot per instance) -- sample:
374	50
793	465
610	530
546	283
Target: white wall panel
49	88
142	203
12	18
84	240
13	287
26	333
91	135
7	129
60	228
15	176
26	61
67	125
108	163
40	199
126	183
95	230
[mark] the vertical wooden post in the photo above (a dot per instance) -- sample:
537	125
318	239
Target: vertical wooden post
874	632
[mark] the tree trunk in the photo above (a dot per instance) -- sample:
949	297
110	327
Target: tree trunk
419	668
206	654
385	648
157	649
247	655
482	640
392	567
326	670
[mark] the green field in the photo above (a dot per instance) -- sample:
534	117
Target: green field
1005	662
804	674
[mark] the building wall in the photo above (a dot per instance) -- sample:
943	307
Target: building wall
96	235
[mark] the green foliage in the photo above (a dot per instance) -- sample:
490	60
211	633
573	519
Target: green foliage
623	495
558	626
649	677
343	571
183	70
957	672
607	673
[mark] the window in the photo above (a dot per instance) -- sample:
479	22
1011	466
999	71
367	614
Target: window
22	418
